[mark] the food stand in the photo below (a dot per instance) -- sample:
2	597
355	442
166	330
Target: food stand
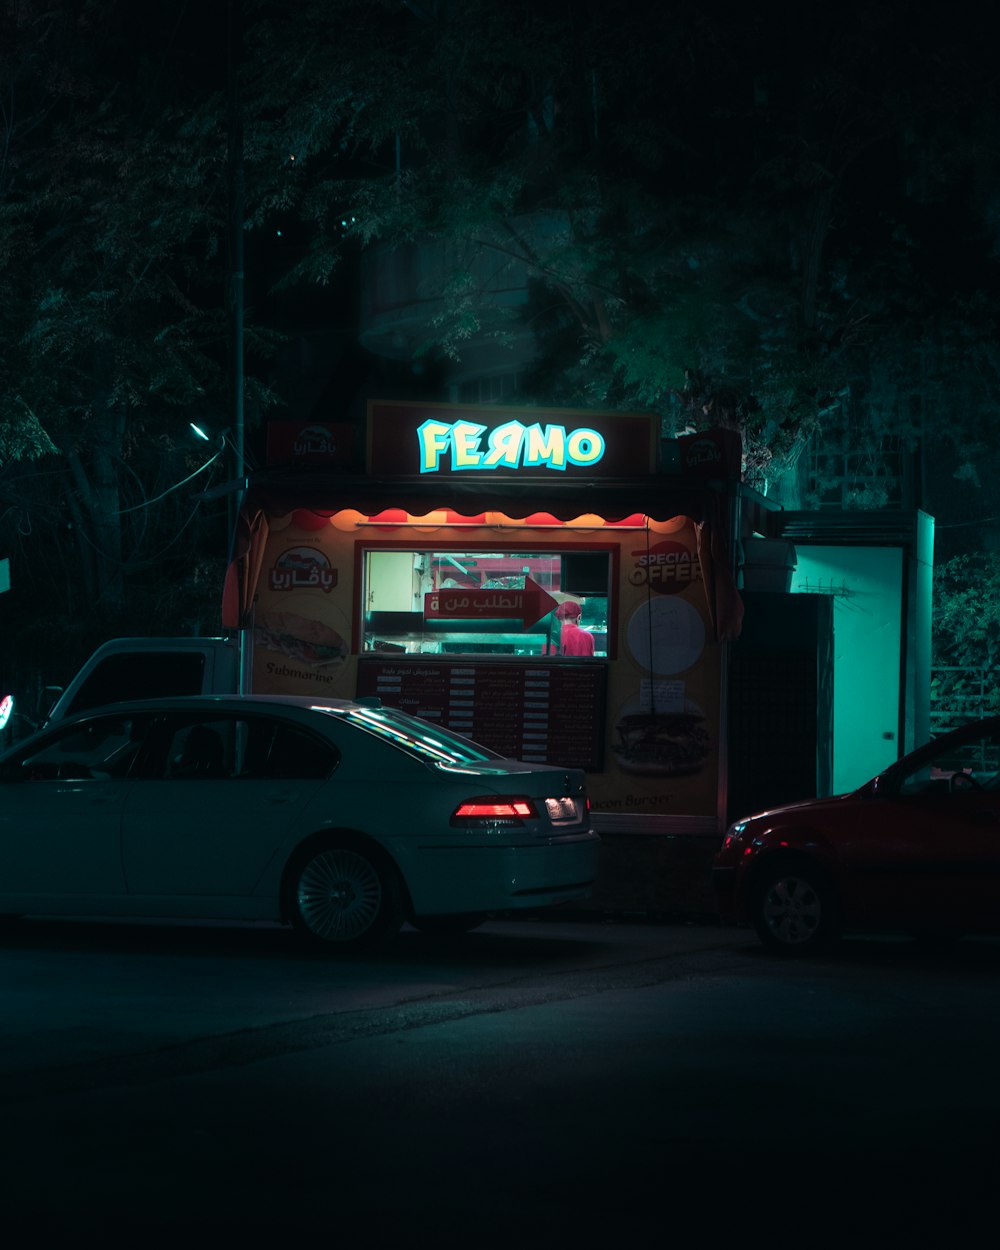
555	583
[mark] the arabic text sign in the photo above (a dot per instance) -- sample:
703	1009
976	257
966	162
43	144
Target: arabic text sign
297	442
303	568
529	711
528	604
443	605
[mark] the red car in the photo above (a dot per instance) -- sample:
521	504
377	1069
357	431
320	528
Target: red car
916	849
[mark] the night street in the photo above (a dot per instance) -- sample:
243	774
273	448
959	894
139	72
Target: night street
533	1083
524	471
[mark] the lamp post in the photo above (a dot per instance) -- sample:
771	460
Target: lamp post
235	297
235	283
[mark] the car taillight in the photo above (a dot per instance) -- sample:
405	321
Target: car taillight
493	811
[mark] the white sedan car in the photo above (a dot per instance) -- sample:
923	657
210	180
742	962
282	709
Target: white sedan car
339	818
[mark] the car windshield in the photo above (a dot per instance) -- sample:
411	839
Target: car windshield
428	742
975	758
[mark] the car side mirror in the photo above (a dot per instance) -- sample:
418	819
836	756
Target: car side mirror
51	694
878	788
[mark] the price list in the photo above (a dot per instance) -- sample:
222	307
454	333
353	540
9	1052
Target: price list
549	713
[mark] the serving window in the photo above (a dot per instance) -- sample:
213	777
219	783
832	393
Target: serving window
445	600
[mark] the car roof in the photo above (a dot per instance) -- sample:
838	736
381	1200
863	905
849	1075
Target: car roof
985	724
194	702
927	750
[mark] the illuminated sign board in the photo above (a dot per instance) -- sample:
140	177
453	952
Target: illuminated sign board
508	446
450	440
528	605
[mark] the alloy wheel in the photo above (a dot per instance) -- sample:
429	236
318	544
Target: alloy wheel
339	895
791	911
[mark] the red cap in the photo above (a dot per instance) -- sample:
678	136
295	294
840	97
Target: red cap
567	609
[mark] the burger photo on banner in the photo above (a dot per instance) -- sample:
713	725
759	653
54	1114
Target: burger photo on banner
661	743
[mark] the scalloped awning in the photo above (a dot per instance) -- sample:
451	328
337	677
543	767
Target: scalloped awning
658	497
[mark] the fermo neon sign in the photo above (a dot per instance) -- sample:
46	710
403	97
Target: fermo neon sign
509	446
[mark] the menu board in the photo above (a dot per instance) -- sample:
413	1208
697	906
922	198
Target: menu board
542	713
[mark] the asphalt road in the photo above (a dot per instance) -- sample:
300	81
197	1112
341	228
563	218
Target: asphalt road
531	1084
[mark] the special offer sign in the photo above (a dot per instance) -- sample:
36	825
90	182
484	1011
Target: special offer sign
668	567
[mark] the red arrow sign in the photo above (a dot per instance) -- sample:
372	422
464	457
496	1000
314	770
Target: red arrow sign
527	604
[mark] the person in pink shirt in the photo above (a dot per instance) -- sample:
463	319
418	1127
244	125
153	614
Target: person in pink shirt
573	640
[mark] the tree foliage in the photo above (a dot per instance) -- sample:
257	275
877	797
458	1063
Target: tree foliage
776	218
112	212
709	206
967	636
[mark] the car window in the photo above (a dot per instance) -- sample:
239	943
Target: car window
275	751
150	675
202	751
245	748
416	737
102	749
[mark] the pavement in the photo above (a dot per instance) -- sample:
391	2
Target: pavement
658	878
83	992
